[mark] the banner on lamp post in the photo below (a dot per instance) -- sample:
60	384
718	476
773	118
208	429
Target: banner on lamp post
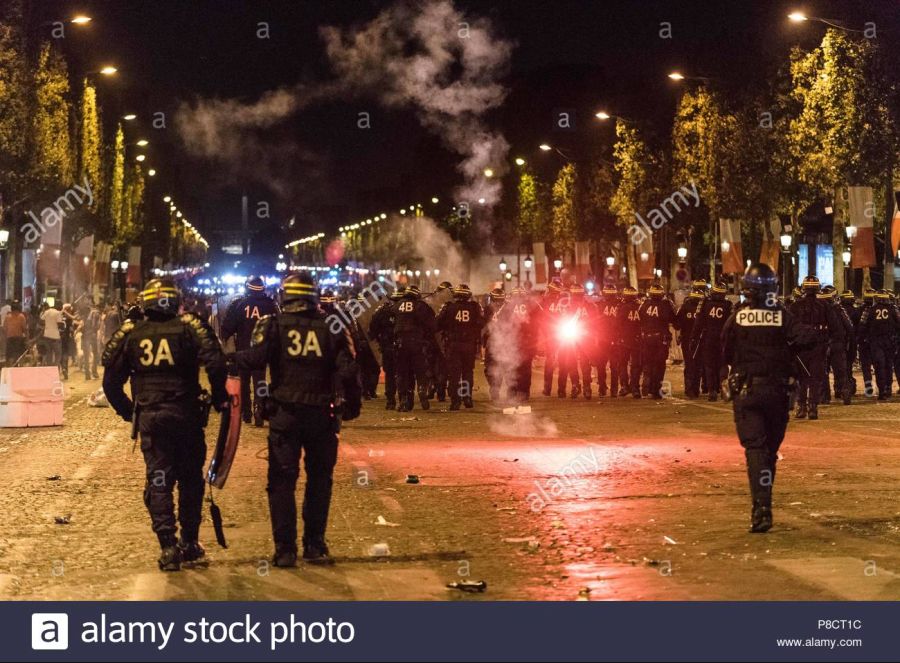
644	258
732	252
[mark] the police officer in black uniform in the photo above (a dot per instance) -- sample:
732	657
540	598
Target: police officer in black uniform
853	313
814	312
460	322
878	327
438	362
656	314
757	344
414	329
862	343
607	334
684	323
493	371
240	319
837	348
629	328
315	385
706	336
381	329
162	354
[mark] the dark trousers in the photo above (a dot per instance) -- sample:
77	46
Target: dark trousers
255	380
440	371
412	369
460	370
369	369
692	369
606	356
811	384
519	381
89	354
837	362
630	368
865	365
570	366
761	417
710	356
389	363
882	349
550	360
292	431
15	348
174	450
655	348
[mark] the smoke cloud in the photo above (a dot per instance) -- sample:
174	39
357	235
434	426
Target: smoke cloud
424	56
428	56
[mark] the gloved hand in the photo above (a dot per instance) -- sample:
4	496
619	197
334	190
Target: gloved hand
220	407
126	417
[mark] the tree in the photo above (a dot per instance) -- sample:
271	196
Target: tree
51	160
532	209
90	155
565	221
116	188
634	164
13	104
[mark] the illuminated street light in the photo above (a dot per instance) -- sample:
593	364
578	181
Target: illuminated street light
152	172
140	157
488	172
610	261
528	262
786	240
143	142
846	257
682	252
503	264
557	264
851	232
481	201
726	246
675	76
797	17
129	117
602	115
167	199
80	19
383	215
108	70
435	200
544	147
520	161
179	214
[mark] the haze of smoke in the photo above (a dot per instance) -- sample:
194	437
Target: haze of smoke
522	425
419	243
428	56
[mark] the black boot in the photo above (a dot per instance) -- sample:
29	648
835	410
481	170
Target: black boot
801	411
257	416
170	559
813	412
761	474
191	551
285	556
391	404
467	402
423	401
455	405
315	551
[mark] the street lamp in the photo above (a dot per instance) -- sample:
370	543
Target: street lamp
80	19
108	70
602	115
610	261
434	200
682	253
851	232
129	117
520	161
544	147
797	17
786	240
152	172
503	265
143	142
488	172
800	17
528	263
557	265
676	76
140	157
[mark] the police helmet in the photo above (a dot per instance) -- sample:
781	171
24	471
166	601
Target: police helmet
759	281
162	296
629	292
828	292
700	284
609	290
656	290
848	295
882	294
719	288
555	285
462	291
328	297
811	284
413	292
298	286
398	293
576	290
518	292
444	285
497	295
869	294
255	284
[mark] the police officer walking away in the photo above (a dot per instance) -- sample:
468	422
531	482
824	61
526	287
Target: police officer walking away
756	344
607	334
315	385
684	323
460	321
629	329
414	329
381	328
240	319
705	336
814	312
656	314
877	327
161	354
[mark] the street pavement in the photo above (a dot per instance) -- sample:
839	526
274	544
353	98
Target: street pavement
609	499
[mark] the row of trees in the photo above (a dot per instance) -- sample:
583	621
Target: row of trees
53	136
827	121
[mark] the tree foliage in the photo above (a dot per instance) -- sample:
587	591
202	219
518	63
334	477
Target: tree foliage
565	222
51	156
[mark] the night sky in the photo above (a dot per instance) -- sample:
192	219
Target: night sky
568	54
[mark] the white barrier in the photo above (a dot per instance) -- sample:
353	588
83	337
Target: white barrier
31	397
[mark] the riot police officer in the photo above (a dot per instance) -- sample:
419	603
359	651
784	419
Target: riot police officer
459	322
315	386
837	348
513	340
878	327
656	315
161	355
553	299
629	328
757	342
240	319
414	329
607	334
493	371
814	313
706	336
865	353
684	323
576	346
381	328
437	353
853	313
